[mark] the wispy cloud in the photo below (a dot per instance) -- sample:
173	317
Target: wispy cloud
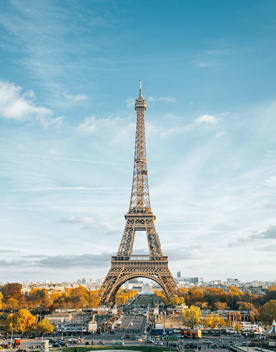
270	181
75	98
115	129
130	102
119	129
207	119
167	99
268	234
60	261
19	106
39	33
211	58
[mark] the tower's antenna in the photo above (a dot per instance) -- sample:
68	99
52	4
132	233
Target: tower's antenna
140	90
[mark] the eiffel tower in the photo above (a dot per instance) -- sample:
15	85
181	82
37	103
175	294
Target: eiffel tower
125	265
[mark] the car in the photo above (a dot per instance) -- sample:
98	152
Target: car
56	344
205	341
62	343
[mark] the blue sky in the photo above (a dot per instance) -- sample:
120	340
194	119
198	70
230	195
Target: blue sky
69	74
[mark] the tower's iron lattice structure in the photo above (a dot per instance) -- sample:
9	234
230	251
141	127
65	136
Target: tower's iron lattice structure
125	265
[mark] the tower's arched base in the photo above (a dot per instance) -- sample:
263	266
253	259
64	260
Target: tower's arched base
124	269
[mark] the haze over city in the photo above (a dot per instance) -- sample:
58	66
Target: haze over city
69	78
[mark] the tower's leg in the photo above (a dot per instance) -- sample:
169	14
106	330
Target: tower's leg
124	270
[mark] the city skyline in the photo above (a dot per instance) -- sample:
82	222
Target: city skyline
69	77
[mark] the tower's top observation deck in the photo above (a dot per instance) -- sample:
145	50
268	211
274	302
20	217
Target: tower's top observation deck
140	104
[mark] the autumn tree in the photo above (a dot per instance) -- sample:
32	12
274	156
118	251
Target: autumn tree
20	322
191	316
270	294
214	321
12	303
234	295
254	313
13	291
175	300
161	297
220	305
196	294
94	299
1	298
268	312
202	305
38	298
213	294
124	295
79	297
44	327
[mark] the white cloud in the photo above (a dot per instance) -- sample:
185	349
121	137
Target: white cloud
17	105
116	129
208	119
220	134
270	181
166	99
88	125
120	130
86	220
130	101
75	98
211	58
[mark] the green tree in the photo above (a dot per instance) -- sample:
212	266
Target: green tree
268	312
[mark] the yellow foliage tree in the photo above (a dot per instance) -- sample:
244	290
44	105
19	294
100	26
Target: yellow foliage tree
175	300
191	316
20	322
12	303
124	295
197	293
94	299
214	321
161	296
9	323
44	327
38	298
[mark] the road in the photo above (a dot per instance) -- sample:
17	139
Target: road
115	339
